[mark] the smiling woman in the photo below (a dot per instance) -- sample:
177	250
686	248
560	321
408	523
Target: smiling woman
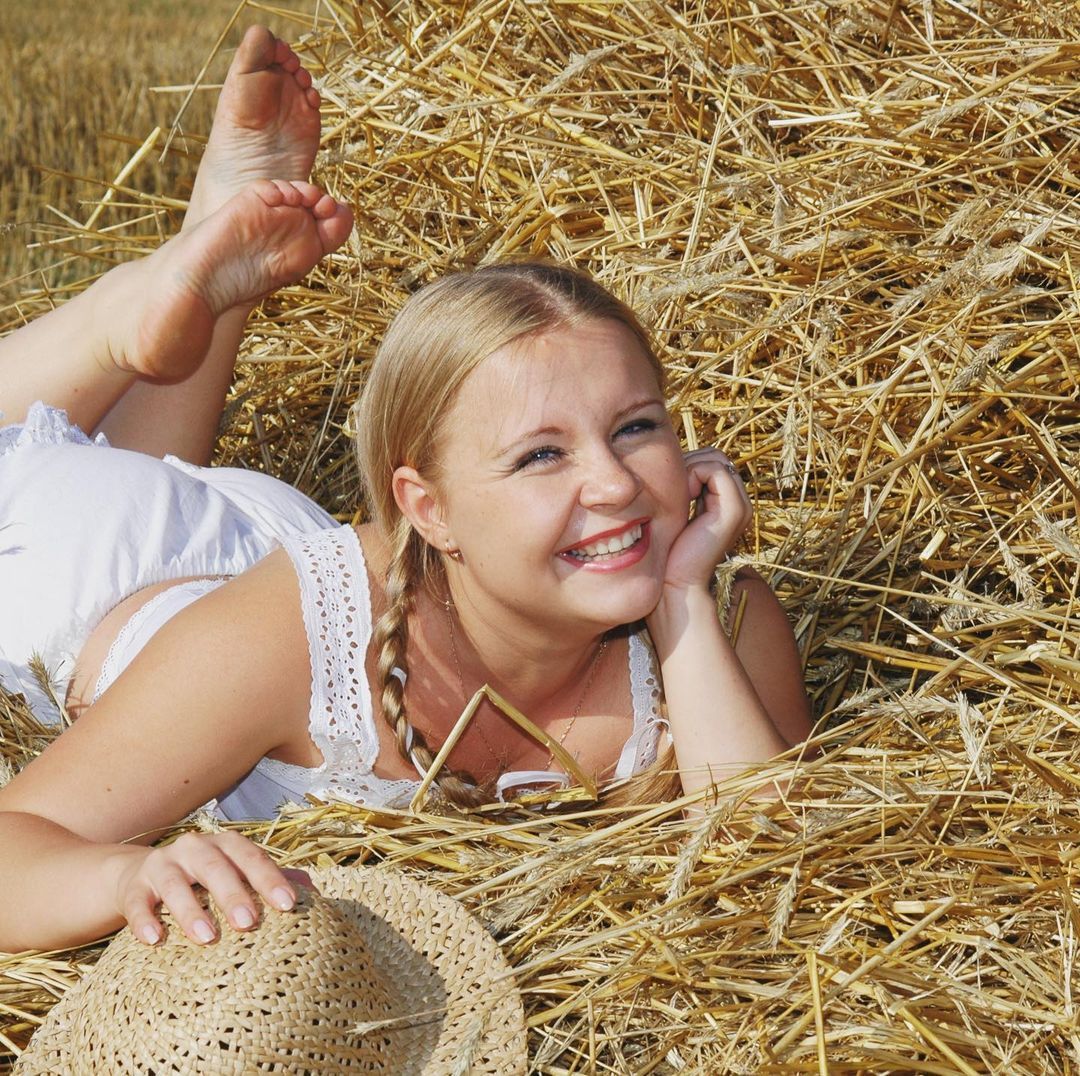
516	446
580	452
532	542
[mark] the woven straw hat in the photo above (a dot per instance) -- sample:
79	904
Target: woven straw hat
378	974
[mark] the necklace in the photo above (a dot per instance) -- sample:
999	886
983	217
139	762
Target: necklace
499	763
593	666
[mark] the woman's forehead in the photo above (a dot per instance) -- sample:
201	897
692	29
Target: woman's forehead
551	377
562	356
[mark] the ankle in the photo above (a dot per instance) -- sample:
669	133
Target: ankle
113	301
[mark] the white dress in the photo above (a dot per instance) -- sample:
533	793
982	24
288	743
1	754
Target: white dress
83	526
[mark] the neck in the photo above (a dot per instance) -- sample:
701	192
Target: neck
527	666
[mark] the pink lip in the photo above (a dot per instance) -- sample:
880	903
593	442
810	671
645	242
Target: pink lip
611	564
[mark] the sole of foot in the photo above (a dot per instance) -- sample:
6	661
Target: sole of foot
270	234
266	125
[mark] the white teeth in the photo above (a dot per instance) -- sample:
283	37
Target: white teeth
605	547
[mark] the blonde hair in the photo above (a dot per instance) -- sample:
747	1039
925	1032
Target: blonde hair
441	334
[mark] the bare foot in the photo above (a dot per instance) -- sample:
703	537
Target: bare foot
266	125
269	235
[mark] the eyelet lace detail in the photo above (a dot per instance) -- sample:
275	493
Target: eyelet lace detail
336	606
44	425
117	658
646	691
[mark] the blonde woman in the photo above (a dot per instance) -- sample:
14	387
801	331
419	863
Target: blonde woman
233	645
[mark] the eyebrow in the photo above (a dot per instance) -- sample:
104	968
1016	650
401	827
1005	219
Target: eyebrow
545	431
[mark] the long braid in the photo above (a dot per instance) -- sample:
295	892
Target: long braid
391	642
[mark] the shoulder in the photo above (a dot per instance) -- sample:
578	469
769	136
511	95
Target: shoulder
750	594
253	628
237	661
762	637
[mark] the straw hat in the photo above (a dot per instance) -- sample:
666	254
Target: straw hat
379	974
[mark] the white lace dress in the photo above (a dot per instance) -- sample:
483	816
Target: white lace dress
84	525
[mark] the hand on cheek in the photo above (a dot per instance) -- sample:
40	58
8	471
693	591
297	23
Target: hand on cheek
723	513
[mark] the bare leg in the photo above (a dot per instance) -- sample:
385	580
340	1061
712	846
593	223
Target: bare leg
156	317
266	127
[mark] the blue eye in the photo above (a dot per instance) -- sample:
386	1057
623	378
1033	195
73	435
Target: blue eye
537	456
639	425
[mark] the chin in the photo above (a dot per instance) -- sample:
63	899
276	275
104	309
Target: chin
629	608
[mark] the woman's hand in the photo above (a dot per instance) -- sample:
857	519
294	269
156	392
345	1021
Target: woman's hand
227	865
723	513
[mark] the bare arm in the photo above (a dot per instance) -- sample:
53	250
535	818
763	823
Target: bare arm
222	684
765	646
727	706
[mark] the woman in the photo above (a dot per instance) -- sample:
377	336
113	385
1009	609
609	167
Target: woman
531	534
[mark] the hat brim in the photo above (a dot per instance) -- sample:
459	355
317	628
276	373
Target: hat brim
451	992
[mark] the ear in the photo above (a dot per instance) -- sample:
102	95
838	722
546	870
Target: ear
419	504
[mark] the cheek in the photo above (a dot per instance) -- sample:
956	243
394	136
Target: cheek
497	527
672	479
675	492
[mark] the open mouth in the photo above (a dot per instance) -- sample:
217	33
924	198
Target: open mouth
608	548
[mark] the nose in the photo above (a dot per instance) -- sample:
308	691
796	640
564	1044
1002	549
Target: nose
608	481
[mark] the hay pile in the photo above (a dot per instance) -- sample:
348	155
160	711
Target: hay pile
853	227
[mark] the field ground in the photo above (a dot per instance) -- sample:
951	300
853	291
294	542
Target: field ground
75	106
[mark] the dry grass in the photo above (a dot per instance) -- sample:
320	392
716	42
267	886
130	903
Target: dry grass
81	89
854	228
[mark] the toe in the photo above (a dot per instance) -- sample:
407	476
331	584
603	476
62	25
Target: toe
256	50
308	193
324	208
271	191
291	194
334	230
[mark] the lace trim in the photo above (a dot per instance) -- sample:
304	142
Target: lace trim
337	617
642	749
645	689
117	659
297	780
44	425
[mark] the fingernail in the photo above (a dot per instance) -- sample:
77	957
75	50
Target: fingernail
150	934
203	930
242	918
282	898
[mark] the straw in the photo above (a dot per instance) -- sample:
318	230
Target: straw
853	229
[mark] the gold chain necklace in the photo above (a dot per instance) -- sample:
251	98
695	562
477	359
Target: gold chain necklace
594	665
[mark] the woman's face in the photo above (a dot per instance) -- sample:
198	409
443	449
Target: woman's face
561	480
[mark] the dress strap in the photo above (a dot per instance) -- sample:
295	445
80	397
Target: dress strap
642	749
336	604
